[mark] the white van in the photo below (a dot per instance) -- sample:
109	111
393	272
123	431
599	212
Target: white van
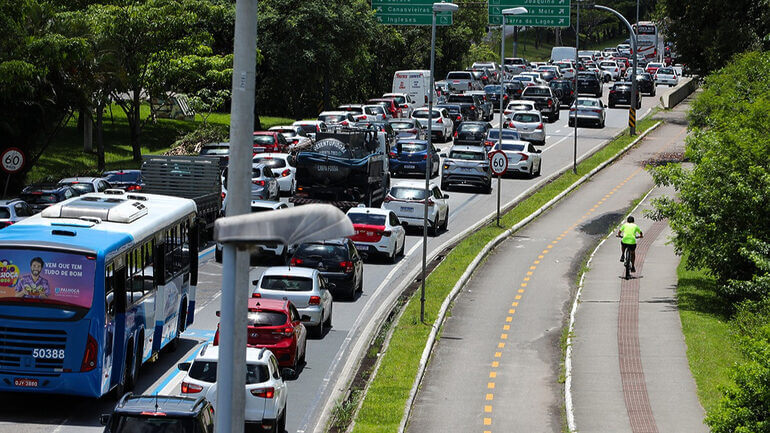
563	53
416	83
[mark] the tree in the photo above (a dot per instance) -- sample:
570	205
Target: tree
206	101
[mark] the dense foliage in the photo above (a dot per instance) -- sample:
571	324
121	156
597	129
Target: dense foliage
721	217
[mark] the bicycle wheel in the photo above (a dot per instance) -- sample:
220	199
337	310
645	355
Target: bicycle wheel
627	264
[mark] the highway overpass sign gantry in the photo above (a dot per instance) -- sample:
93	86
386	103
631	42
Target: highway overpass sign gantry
409	13
541	13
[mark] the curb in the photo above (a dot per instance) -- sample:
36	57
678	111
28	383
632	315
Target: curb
475	263
568	355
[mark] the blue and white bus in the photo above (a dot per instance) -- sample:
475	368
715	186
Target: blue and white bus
93	287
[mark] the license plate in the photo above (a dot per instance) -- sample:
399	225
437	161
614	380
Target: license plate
362	247
466	169
408	166
25	383
406	209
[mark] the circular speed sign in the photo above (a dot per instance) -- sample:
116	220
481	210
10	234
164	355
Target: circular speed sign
499	162
12	160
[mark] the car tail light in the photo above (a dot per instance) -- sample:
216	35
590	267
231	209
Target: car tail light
440	120
216	337
539	126
392	154
613	91
258	182
191	388
295	261
263	392
455	135
256	295
134	188
511	125
596	110
524	156
285	173
571	92
430	202
286	332
572	109
89	357
314	300
484	77
473	107
344	123
489	143
347	266
550	102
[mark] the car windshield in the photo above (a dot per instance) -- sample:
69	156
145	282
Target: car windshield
322	251
124	176
407	193
155	424
270	162
206	371
423	114
402	125
466	154
289	283
513	147
526	117
411	147
367	218
266	318
81	187
39	198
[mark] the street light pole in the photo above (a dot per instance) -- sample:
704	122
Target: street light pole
437	7
577	59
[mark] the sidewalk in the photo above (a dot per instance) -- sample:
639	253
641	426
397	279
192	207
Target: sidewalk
630	370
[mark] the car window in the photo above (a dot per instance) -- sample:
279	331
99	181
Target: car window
289	283
367	218
5	212
467	155
294	314
157	424
513	147
327	251
423	114
471	127
83	188
68	193
265	318
33	198
134	176
393	219
401	125
538	91
205	371
255	173
437	193
588	102
274	365
666	71
256	373
268	172
407	193
531	148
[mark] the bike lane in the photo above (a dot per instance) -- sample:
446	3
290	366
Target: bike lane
497	366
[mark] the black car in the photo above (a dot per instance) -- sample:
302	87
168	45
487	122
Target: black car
587	82
472	133
620	93
338	261
564	90
645	84
40	196
220	150
160	413
493	94
455	113
127	180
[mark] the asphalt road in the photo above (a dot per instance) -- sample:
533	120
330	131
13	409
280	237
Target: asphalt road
309	393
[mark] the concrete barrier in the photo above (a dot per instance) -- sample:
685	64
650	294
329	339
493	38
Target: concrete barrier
678	94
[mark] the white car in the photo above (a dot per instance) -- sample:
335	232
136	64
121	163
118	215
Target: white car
407	200
294	135
518	105
538	79
282	169
265	392
666	76
530	126
85	185
344	118
404	102
306	288
612	67
442	126
311	127
375	113
377	231
277	249
523	157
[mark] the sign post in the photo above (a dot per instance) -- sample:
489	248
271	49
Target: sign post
11	160
409	13
499	164
547	13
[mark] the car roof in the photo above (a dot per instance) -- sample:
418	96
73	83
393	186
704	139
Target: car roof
465	147
266	204
419	184
369	210
276	155
334	113
289	270
411	140
166	404
254	355
79	179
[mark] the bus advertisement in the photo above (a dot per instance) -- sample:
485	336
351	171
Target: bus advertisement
647	39
93	287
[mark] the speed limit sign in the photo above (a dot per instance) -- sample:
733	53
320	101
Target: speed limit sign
499	162
12	160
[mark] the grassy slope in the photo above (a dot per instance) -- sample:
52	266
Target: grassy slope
711	350
384	402
65	156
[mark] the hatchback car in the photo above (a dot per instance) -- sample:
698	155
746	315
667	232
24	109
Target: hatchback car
493	135
645	83
127	180
442	125
612	67
403	101
407	200
160	413
530	126
378	231
587	82
13	211
343	118
307	290
666	76
280	165
40	196
467	165
338	261
411	157
620	93
471	133
277	326
588	110
84	185
265	391
522	156
269	141
407	129
393	109
519	106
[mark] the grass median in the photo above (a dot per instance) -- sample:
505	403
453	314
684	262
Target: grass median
384	402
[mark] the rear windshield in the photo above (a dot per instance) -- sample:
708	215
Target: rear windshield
612	64
523	78
332	118
494	134
399	100
402	125
288	283
492	89
460	98
266	318
407	193
367	218
206	371
156	424
322	251
353	109
423	114
666	71
374	110
308	128
39	198
412	147
537	91
5	212
588	102
264	139
466	154
623	87
472	127
459	76
80	187
513	147
526	117
211	151
125	176
270	162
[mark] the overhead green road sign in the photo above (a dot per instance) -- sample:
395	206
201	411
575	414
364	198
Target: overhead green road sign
541	13
409	13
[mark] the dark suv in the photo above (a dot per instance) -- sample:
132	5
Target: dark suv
40	196
620	93
587	82
160	414
338	261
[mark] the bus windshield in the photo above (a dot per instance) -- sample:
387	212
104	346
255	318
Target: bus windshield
34	277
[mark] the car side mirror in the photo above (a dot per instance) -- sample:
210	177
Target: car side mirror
539	150
183	366
446	195
330	285
104	418
218	313
442	155
305	318
288	373
254	282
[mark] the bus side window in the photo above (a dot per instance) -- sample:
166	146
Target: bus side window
109	291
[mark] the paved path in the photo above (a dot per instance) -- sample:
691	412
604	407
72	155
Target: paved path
497	367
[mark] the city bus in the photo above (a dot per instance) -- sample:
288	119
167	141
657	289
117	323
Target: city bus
93	287
647	39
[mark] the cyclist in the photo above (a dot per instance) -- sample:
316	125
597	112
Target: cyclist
628	234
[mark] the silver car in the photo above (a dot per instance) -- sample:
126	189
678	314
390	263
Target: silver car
523	157
281	168
588	110
467	165
530	126
264	185
306	288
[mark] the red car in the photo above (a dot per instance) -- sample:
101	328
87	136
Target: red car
276	325
269	141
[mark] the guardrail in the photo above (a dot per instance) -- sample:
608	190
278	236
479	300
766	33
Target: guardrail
679	93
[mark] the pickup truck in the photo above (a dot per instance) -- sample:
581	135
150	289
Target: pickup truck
544	100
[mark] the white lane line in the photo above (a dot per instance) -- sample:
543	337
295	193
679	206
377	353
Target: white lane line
559	141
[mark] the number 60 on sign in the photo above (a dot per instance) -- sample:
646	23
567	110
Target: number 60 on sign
499	162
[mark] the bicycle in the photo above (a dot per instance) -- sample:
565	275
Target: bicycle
627	262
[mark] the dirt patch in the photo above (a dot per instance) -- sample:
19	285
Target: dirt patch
664	158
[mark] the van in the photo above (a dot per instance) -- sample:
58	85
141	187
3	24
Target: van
415	83
563	53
